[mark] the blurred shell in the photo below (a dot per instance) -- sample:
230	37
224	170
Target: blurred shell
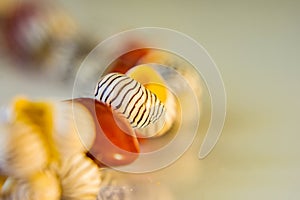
41	186
80	178
74	128
22	151
11	190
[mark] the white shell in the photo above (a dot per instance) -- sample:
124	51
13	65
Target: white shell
80	178
163	125
22	151
130	98
171	104
74	128
43	185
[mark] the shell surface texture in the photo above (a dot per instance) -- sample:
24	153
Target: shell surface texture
22	151
80	178
128	97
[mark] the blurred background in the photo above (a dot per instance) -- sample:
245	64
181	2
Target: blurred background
255	45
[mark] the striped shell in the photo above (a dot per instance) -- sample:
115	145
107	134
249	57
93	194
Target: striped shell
43	185
74	128
128	97
80	178
22	151
153	80
162	126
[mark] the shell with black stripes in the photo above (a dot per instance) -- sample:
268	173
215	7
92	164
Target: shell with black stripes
131	99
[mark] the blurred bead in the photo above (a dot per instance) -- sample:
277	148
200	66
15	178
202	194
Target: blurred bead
40	37
25	31
127	61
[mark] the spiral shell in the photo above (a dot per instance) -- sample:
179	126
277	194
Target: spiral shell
43	185
22	151
128	97
80	178
162	126
153	80
74	128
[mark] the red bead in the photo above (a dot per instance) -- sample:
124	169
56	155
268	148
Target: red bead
113	146
127	60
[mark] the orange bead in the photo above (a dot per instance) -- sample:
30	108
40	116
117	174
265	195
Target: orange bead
127	60
115	142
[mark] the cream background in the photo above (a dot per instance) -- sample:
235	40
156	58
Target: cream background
256	46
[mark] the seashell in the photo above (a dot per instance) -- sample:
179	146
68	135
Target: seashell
22	151
10	188
2	179
128	97
74	128
163	126
42	185
80	178
152	80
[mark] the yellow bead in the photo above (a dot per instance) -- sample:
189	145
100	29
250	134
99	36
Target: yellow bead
148	77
